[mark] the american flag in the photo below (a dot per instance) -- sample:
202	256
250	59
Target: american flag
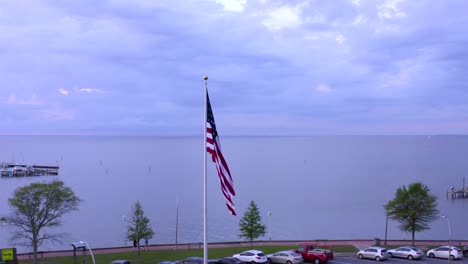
213	146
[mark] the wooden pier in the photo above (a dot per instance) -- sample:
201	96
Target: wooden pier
21	170
457	194
461	193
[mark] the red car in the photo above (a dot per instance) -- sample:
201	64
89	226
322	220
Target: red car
311	253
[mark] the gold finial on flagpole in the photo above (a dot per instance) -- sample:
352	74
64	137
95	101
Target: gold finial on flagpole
205	77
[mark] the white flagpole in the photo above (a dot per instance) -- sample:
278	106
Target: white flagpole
205	246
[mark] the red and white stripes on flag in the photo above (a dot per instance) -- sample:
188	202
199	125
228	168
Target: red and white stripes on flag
213	146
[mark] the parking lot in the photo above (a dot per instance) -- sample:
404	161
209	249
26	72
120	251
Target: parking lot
354	260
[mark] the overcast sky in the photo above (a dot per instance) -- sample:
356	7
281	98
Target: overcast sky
136	67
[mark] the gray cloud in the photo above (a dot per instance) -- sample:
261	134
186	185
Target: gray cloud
334	66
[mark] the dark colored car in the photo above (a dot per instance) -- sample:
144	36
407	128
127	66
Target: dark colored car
226	260
120	261
190	260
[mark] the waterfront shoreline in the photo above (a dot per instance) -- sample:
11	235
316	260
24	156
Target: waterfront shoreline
358	243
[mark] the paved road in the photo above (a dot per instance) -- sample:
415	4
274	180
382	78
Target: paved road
352	259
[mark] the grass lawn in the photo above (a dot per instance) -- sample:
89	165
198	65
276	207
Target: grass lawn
157	256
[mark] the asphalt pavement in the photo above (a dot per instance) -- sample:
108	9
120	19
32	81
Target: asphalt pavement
348	258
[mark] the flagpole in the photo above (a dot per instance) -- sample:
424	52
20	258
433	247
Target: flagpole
205	247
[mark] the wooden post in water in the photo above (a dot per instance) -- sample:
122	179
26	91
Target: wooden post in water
464	188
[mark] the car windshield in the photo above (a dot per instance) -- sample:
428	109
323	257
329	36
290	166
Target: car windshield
261	254
294	254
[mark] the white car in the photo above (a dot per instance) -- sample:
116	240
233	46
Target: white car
443	252
377	253
252	256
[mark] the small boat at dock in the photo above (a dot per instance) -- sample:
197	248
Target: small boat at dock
19	170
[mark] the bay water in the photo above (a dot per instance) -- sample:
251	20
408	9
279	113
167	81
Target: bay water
320	187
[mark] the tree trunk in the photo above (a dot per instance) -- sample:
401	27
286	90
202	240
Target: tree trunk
412	235
138	245
251	243
34	244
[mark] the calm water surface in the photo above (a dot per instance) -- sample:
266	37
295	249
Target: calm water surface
330	187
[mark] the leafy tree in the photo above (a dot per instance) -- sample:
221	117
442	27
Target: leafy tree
250	225
139	227
414	207
37	207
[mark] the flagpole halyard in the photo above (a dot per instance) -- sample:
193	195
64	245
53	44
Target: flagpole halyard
205	244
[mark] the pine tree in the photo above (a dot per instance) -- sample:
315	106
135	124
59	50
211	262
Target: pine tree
139	227
251	226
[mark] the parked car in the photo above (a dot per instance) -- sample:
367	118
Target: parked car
465	251
190	260
251	256
121	261
311	252
285	257
226	260
406	252
377	253
443	252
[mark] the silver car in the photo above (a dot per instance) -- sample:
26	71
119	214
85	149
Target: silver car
406	252
285	257
443	252
377	253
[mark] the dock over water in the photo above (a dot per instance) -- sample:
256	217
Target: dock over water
457	194
21	170
461	193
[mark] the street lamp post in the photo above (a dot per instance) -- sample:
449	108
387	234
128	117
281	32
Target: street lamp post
450	236
177	223
386	225
124	219
90	251
386	220
269	223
